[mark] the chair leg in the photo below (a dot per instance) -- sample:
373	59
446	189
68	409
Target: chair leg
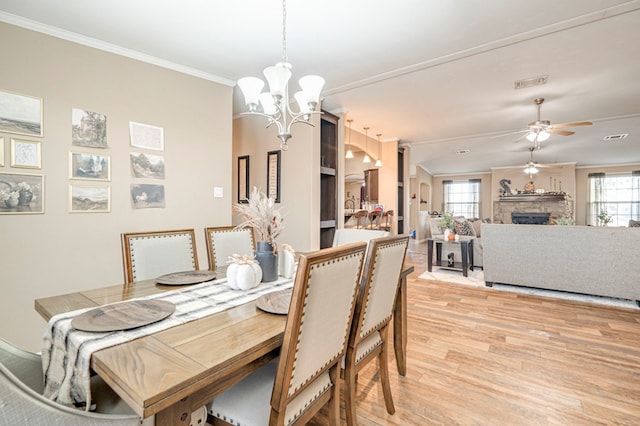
334	402
384	371
350	379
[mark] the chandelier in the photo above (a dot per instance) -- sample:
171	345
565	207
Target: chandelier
275	103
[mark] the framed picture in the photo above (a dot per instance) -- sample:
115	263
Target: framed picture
25	154
84	165
1	151
273	175
88	129
146	136
147	165
243	179
20	114
21	193
89	199
146	196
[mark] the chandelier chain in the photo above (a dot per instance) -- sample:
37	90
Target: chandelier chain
284	31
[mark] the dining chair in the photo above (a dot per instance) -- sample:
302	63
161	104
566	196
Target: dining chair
21	387
362	218
224	241
344	236
292	388
369	335
374	219
152	254
387	221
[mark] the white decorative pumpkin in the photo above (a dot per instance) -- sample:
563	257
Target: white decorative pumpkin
243	276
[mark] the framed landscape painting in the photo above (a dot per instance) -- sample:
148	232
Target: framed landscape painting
84	165
147	196
89	199
20	114
147	165
88	128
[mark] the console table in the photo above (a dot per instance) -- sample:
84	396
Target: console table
466	252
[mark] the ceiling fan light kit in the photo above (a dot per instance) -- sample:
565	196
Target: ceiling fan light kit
540	130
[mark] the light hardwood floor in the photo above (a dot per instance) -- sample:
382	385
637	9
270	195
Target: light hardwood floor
478	356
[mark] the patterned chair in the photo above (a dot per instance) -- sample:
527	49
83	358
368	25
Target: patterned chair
149	255
21	386
369	336
293	387
225	241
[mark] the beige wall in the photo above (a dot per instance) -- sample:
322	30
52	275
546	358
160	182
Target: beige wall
59	252
300	174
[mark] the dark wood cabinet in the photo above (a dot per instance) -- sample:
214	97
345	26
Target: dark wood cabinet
371	186
400	191
329	126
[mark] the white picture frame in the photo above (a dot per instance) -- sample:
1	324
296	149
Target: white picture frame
146	136
26	154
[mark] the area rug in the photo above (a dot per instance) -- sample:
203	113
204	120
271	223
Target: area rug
476	279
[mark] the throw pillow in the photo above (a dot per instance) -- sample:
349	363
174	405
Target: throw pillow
463	227
634	223
476	224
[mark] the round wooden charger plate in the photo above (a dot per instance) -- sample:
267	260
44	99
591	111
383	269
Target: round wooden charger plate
275	303
186	277
123	315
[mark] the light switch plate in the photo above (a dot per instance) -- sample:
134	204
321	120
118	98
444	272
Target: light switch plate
217	192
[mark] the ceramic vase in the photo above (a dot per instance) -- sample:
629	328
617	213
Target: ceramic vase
267	260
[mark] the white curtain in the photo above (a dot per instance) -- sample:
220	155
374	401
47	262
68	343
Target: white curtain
595	197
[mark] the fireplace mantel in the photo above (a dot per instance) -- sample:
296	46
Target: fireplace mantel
533	197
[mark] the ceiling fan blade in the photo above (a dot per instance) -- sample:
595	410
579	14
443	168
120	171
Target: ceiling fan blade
575	123
510	133
560	132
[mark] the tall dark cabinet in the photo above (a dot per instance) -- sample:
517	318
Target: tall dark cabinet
329	126
400	191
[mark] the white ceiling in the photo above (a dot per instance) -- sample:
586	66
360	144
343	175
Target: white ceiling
437	75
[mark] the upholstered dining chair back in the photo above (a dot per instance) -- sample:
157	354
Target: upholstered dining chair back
152	254
368	338
225	241
349	235
21	386
306	376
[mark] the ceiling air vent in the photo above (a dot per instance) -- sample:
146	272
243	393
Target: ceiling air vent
529	82
615	137
462	151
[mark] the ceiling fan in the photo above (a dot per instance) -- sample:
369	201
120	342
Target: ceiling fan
540	130
531	168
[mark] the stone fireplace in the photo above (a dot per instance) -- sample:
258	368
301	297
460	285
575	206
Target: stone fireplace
556	204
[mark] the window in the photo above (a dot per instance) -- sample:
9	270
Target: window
614	195
462	198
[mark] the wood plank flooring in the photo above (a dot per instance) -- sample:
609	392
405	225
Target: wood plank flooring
478	356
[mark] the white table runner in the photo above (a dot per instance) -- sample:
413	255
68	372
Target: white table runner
66	352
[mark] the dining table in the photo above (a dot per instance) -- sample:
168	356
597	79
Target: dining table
173	372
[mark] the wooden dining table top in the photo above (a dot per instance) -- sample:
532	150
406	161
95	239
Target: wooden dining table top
173	372
177	370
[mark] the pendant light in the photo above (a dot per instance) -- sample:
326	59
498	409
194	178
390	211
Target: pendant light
349	152
366	158
379	161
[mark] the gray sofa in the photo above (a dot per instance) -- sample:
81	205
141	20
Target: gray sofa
600	261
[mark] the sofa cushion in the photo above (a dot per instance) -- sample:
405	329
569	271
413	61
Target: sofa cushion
464	227
634	223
